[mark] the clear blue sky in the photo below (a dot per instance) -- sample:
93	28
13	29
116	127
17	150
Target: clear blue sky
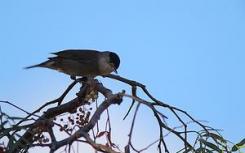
189	53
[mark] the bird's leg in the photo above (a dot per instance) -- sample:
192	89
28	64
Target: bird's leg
84	82
92	93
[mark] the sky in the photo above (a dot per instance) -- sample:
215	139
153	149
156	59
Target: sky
189	53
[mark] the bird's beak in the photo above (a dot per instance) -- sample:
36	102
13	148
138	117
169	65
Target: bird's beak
115	71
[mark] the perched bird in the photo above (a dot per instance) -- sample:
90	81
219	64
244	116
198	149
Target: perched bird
82	62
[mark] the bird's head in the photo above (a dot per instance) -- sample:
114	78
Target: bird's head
114	60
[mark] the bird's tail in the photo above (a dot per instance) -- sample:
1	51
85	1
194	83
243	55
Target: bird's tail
32	66
48	64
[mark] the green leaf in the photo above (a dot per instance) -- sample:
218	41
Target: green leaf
241	143
187	150
234	148
203	150
238	145
211	145
215	136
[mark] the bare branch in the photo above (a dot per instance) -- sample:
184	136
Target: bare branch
83	120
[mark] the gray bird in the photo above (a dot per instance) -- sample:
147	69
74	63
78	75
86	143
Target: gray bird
82	62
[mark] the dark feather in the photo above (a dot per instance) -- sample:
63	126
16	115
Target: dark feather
44	64
78	54
32	66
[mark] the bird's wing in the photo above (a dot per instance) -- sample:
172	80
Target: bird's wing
78	54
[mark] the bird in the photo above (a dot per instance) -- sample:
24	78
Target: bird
82	62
